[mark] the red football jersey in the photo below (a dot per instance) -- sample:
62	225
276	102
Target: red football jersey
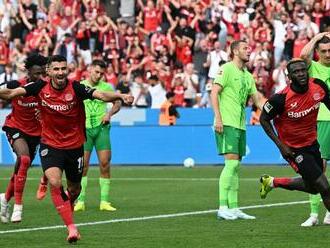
62	113
23	114
295	114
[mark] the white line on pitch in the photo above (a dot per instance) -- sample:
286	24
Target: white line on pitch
163	216
153	179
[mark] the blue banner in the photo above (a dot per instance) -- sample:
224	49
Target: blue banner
137	139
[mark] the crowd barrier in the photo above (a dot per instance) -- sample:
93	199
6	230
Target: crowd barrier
137	139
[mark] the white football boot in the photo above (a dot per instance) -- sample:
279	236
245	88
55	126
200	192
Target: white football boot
4	212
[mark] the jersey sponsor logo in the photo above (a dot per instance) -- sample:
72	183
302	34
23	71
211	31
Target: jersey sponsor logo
58	107
303	113
44	152
268	107
27	104
317	96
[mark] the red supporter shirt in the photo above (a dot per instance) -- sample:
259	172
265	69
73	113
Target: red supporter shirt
295	114
62	113
23	114
151	19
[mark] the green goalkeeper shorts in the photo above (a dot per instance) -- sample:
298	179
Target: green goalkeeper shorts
98	137
231	140
323	137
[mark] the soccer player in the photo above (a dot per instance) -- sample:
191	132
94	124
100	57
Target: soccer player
294	113
319	69
230	91
23	132
62	136
98	135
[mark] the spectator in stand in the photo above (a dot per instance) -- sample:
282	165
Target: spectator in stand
190	82
4	53
200	63
111	76
279	77
139	90
214	58
157	92
83	42
178	90
8	74
66	47
279	39
299	43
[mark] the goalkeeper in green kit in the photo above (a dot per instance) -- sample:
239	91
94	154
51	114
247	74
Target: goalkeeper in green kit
321	70
98	136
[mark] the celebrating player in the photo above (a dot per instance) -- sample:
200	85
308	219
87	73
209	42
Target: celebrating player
294	112
230	92
319	69
63	136
23	132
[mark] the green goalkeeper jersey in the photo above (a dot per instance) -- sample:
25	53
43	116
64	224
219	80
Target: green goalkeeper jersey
322	72
237	86
96	109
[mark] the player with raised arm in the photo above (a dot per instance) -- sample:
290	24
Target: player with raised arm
63	133
294	113
319	69
231	89
23	132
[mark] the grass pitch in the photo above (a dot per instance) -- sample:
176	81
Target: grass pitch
152	191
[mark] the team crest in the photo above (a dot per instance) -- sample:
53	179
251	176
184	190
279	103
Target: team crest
68	97
317	96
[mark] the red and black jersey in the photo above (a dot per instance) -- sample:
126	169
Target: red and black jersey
23	114
295	114
62	113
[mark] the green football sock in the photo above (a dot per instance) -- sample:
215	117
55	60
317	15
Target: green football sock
233	191
225	181
105	188
82	194
315	203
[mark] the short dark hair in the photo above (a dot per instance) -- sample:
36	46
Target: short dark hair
35	59
169	95
153	77
294	61
234	45
56	58
324	40
100	63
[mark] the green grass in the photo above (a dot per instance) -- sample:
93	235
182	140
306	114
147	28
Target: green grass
148	191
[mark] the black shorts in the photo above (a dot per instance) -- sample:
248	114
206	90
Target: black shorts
308	162
69	160
32	141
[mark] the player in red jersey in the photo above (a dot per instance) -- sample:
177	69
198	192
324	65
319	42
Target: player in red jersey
23	132
63	133
294	112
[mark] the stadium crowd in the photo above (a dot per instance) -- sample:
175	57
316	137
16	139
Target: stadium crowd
153	47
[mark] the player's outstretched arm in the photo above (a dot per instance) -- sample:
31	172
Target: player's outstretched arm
308	50
8	94
108	96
